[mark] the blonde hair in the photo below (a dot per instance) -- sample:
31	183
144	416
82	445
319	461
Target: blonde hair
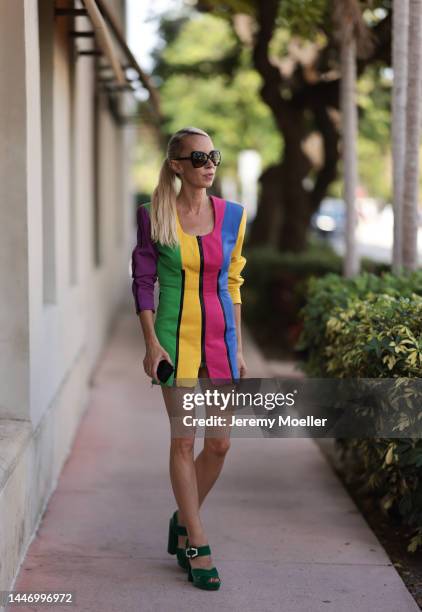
163	200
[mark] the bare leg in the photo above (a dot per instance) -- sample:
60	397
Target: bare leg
183	470
181	460
210	460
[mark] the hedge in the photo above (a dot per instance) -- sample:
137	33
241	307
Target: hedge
371	327
275	290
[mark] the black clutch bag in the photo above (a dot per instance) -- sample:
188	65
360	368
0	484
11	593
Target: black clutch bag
164	370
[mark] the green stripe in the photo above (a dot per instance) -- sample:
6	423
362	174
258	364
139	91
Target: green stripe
166	326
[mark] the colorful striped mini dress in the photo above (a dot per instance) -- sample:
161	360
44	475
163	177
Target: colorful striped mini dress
199	282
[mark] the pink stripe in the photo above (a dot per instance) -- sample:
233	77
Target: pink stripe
215	347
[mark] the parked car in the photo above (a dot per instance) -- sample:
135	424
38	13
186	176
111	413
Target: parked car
330	218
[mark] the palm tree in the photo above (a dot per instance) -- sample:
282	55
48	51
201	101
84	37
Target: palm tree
352	35
413	131
349	144
400	59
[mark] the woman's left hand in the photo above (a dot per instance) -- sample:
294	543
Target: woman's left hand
241	364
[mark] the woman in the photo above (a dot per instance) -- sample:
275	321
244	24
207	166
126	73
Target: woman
192	243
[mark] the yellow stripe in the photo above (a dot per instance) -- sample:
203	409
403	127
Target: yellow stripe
190	326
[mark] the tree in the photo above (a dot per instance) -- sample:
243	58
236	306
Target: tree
217	82
400	59
413	132
209	82
302	102
351	32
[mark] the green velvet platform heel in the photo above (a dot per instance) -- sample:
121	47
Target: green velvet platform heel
201	576
172	548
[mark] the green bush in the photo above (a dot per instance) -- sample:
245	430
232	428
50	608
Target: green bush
326	294
275	290
390	471
371	327
375	337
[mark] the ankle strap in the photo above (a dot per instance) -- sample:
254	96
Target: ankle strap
181	530
197	551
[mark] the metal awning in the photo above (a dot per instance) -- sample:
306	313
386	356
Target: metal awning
110	45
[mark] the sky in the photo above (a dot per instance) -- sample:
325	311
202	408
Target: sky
142	33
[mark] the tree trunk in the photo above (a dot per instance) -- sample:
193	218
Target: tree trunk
349	149
265	227
285	206
400	59
295	199
413	129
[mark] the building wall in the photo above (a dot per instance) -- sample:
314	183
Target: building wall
64	300
66	225
14	183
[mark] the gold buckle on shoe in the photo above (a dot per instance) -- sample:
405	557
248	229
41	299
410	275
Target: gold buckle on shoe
191	548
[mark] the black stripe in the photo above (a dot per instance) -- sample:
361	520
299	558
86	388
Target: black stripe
225	324
201	297
179	321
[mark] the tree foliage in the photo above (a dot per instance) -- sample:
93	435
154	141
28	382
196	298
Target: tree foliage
272	84
209	82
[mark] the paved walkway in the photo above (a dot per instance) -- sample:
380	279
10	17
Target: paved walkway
284	533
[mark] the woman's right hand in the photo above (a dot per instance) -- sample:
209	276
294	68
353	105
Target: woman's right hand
153	355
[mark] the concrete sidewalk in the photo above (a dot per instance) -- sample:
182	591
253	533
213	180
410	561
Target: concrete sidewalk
283	531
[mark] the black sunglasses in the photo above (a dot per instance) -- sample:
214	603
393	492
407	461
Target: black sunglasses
199	158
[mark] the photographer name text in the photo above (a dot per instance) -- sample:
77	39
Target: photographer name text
282	421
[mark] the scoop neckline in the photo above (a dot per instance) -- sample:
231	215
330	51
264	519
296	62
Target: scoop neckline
200	235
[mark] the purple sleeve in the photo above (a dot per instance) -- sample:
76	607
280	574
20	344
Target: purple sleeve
144	264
